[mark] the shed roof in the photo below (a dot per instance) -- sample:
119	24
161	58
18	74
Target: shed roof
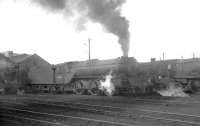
19	58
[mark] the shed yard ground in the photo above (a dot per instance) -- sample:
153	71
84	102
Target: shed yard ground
187	105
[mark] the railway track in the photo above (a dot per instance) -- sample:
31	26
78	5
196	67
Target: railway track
136	114
164	102
159	101
174	119
16	120
44	118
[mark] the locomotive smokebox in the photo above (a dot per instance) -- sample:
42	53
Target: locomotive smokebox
124	64
122	75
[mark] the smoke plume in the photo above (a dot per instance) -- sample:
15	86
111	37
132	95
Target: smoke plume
105	12
52	4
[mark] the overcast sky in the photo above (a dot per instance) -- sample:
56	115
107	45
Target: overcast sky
156	26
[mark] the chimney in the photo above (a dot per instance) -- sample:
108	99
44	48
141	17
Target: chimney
8	53
153	59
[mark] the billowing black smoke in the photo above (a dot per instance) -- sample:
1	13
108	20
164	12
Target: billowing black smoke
105	12
52	4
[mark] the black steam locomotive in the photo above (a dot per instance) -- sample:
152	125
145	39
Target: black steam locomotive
88	77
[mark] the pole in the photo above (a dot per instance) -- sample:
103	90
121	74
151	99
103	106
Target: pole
54	73
163	56
89	49
17	73
182	64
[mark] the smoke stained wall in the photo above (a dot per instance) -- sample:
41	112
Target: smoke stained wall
105	12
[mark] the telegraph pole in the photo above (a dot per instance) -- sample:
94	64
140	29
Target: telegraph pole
193	55
89	49
163	56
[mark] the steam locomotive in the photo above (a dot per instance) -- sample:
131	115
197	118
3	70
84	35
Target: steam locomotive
87	77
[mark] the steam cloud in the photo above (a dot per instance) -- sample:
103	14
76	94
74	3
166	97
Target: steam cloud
107	85
173	90
105	12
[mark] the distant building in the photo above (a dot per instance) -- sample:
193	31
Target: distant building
8	53
189	66
39	70
5	62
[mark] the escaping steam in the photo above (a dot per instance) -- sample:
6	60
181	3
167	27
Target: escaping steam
105	12
107	85
174	91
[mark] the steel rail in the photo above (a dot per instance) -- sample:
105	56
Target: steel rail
64	104
151	101
31	119
130	115
67	116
